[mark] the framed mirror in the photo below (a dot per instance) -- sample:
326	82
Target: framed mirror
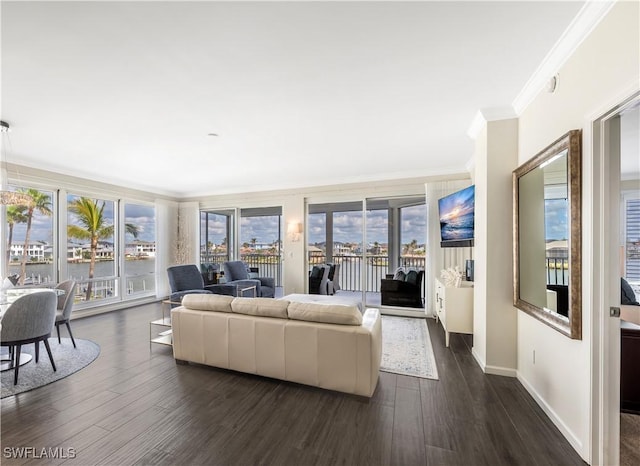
547	231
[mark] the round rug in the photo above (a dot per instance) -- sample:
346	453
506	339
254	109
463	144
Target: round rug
67	358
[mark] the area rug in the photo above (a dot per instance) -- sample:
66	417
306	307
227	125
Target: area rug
406	348
67	358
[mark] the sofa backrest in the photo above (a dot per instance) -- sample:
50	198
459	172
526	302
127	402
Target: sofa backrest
340	314
185	277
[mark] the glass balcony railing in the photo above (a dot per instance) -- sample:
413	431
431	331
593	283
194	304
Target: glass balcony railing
268	264
351	268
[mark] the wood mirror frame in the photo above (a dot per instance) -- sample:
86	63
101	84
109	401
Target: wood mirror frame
571	325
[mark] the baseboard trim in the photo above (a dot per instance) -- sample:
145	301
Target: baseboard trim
116	306
398	312
493	370
503	371
478	359
564	429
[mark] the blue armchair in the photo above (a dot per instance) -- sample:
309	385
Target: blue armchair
237	273
185	279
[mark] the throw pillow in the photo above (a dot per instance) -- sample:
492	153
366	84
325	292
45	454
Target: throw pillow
627	296
412	277
316	272
399	275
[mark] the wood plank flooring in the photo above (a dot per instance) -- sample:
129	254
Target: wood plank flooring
136	407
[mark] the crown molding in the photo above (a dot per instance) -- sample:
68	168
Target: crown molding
488	114
582	25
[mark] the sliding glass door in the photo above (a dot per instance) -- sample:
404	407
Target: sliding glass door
367	241
216	237
395	237
261	241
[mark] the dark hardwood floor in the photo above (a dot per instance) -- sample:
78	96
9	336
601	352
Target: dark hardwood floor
133	406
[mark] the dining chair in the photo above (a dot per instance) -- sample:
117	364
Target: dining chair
29	319
65	305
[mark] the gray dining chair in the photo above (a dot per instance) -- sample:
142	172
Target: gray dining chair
29	319
65	306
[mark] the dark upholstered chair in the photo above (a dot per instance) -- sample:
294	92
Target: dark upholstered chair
403	289
562	298
237	273
627	295
29	319
65	305
319	279
184	280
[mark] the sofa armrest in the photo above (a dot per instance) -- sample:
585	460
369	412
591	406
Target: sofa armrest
247	282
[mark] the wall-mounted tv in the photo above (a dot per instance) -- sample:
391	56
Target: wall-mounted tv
457	218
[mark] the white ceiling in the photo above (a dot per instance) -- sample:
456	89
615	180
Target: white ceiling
300	93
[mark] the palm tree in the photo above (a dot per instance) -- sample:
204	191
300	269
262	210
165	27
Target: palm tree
93	227
15	214
41	203
253	244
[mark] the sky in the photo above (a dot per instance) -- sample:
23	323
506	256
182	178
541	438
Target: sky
140	215
556	221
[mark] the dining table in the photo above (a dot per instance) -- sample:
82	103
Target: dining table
7	297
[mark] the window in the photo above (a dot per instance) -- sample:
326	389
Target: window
30	239
413	233
317	234
139	249
631	235
91	250
261	242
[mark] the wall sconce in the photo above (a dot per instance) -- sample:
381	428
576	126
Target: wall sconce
294	231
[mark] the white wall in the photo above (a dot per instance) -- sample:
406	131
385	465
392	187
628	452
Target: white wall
601	72
494	320
440	258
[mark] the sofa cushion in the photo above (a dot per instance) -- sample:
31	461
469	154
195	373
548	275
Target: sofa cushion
208	302
316	272
265	307
326	313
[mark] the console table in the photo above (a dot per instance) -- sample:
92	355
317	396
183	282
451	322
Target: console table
454	308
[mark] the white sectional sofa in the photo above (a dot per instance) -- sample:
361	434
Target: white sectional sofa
325	345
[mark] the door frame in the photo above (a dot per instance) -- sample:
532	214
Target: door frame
604	179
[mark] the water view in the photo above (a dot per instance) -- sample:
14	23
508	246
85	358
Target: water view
139	275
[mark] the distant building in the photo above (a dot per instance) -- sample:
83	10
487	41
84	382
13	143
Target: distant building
38	251
140	249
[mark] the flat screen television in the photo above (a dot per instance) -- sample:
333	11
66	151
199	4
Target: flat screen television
457	218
